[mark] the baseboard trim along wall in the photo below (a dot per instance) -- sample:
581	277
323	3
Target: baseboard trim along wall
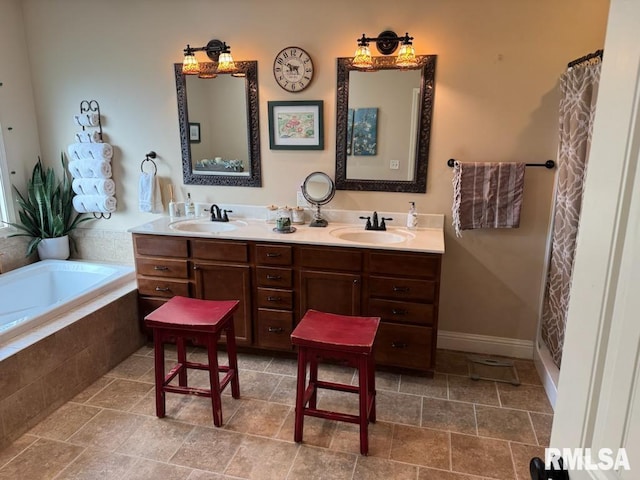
485	344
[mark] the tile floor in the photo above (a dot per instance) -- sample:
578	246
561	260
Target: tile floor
445	428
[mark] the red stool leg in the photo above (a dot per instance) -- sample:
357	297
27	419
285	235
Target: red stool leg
363	394
372	386
232	354
182	358
214	379
300	393
158	353
313	380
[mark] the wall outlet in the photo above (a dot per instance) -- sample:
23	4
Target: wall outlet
394	164
301	201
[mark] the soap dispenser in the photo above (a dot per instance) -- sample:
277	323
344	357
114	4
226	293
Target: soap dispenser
189	207
412	217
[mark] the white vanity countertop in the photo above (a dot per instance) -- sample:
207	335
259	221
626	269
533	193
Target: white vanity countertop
429	239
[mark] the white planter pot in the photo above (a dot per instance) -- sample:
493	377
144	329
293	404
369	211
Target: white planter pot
54	248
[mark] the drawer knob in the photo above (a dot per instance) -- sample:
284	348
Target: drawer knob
399	344
272	254
399	311
275	329
161	268
401	289
274	299
163	289
273	277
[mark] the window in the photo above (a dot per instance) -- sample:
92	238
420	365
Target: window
5	187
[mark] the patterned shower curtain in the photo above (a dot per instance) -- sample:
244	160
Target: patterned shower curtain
579	89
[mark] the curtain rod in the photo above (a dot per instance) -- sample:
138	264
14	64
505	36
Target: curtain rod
548	164
586	58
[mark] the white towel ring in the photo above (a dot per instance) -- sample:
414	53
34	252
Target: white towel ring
148	158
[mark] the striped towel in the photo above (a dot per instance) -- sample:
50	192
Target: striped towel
487	195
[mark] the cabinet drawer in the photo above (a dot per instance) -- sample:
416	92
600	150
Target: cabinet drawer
216	250
157	287
420	265
331	258
402	288
274	329
273	254
274	277
402	312
405	346
162	267
161	246
273	298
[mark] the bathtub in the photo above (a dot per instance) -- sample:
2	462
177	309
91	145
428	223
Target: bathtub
35	294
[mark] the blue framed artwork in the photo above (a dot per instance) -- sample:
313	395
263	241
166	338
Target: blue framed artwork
365	132
350	113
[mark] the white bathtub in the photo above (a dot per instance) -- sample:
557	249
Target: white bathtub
33	295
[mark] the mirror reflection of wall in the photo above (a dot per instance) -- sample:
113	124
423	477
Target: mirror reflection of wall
219	105
396	95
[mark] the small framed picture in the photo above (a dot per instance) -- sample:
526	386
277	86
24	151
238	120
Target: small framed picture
194	132
296	125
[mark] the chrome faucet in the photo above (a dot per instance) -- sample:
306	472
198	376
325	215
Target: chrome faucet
217	215
375	225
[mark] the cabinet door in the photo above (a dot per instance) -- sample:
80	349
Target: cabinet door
227	282
330	292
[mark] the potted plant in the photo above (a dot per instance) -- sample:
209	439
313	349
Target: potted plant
46	212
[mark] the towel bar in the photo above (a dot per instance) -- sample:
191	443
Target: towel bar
548	164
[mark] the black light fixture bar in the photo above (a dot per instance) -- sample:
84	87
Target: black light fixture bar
386	42
213	49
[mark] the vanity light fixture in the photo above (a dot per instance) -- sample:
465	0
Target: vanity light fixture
386	42
219	52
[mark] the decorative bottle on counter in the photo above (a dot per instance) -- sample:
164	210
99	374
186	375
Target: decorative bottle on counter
412	217
189	207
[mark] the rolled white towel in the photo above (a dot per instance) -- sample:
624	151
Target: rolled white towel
90	151
90	169
94	203
88	136
88	119
93	186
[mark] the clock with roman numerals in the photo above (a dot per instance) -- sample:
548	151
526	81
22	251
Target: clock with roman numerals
293	69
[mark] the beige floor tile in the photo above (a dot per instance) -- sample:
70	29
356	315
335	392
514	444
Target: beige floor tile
387	381
527	372
7	454
156	439
257	385
542	426
283	366
524	397
451	362
317	463
133	367
262	459
97	464
65	421
421	446
258	418
220	447
522	455
346	438
173	403
107	430
481	456
449	415
371	468
43	459
200	475
256	363
143	469
433	474
398	408
316	431
429	387
285	391
199	410
120	394
474	391
505	423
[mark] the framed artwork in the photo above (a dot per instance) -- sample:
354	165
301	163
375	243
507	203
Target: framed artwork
194	132
364	132
296	125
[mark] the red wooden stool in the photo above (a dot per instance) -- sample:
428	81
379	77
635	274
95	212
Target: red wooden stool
202	321
320	336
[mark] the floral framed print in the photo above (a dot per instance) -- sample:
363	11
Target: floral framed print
296	125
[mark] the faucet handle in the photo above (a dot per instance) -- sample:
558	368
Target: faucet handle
383	225
225	217
368	225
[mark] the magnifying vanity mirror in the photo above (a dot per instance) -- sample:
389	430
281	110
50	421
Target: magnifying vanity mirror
219	126
318	189
383	125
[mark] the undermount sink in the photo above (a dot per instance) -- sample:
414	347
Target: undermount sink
351	234
205	226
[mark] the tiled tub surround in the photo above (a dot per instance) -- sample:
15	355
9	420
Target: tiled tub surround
41	370
445	428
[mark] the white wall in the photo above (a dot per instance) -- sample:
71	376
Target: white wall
496	98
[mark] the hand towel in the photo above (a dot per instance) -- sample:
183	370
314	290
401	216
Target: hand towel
89	169
93	186
89	136
87	119
149	194
90	151
487	195
94	203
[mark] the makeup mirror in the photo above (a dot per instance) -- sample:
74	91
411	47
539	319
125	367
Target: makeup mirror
318	189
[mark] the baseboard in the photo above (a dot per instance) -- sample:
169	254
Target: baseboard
467	342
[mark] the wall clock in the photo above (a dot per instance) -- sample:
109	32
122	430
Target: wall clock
293	69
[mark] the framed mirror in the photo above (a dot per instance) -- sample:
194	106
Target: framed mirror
318	189
219	127
383	125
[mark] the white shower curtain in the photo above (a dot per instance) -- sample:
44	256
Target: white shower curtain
579	89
